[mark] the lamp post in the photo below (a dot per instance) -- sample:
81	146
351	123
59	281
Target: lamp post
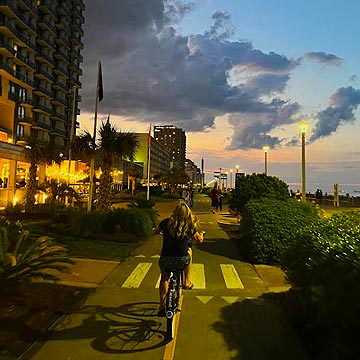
303	127
266	148
237	168
231	171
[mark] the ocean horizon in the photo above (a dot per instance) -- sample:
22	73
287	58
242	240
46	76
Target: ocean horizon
352	189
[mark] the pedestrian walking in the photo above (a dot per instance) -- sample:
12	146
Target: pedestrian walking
214	199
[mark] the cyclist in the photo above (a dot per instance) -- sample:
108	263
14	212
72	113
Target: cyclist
179	230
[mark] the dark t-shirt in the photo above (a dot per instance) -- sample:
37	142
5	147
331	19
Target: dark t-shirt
174	246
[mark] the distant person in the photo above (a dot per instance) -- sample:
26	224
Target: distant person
220	196
184	195
191	197
214	199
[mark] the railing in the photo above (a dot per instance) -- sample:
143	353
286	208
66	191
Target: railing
45	56
7	47
43	108
45	73
17	33
25	60
25	119
43	89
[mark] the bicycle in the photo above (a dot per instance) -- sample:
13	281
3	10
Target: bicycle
173	296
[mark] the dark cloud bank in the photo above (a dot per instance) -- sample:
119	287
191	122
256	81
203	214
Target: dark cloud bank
152	73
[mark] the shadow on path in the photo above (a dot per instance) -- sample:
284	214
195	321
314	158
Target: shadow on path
125	329
259	329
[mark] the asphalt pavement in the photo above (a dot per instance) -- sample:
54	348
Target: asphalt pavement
226	316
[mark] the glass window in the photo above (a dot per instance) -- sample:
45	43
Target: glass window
20	131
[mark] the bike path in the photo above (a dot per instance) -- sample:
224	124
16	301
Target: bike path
216	322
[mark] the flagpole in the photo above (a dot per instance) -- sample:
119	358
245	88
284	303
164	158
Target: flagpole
148	165
92	161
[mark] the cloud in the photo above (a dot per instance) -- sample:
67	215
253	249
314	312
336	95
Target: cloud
323	58
221	29
353	78
152	73
343	103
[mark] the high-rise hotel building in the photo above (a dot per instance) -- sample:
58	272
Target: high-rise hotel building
40	57
174	139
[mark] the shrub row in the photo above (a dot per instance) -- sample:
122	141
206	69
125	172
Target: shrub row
321	259
270	227
133	220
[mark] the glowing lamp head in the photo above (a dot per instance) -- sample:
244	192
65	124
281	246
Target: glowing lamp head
266	148
303	125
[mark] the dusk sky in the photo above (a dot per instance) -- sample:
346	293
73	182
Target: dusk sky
235	75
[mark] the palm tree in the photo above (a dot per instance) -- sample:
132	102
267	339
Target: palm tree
113	144
173	178
36	154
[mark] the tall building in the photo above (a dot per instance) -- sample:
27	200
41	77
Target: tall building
160	156
173	139
193	172
40	57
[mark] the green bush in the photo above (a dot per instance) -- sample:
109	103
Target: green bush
270	226
324	266
85	224
256	186
24	258
13	210
136	221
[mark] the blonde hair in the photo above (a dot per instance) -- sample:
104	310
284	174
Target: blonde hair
183	221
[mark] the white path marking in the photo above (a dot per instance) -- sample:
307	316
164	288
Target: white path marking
204	299
230	299
137	276
197	276
140	256
231	277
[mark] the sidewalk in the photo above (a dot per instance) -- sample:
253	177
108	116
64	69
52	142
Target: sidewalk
117	321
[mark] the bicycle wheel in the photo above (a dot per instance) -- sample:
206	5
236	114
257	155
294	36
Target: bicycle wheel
170	328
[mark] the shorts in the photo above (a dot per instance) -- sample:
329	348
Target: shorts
167	263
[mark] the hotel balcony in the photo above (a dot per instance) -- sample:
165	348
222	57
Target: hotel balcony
26	101
59	116
42	56
37	107
42	91
30	5
45	7
43	74
11	31
45	24
25	120
25	60
40	125
12	10
58	131
17	75
59	69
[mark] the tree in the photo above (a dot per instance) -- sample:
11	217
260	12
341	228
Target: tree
113	144
173	178
36	154
256	186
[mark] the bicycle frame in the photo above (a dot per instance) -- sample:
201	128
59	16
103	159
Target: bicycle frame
172	300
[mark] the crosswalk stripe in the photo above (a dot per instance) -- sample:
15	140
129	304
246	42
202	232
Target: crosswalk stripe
197	276
231	277
137	276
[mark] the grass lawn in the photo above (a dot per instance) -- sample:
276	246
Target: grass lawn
94	248
329	211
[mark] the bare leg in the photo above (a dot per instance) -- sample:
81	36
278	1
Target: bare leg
163	288
187	270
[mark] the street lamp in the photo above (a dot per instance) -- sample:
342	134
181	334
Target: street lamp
231	171
237	168
303	127
266	148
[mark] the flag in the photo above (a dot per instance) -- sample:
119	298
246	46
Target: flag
100	90
149	136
